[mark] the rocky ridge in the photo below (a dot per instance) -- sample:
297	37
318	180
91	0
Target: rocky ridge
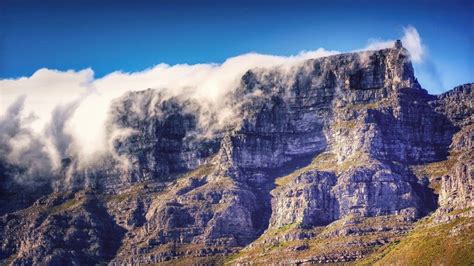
331	159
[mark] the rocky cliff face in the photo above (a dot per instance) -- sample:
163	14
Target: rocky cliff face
162	136
341	147
457	187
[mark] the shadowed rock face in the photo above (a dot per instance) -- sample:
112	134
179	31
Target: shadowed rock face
314	144
457	186
163	135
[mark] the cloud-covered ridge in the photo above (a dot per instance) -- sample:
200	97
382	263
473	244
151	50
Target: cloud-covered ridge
63	113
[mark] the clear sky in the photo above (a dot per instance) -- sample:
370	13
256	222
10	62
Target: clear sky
134	35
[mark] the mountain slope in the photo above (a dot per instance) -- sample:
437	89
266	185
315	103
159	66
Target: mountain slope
323	161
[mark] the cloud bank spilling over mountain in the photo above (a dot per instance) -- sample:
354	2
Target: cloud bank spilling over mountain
322	157
65	112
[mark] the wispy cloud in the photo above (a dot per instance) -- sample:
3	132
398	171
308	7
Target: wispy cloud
411	41
425	68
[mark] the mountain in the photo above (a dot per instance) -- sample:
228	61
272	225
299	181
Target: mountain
337	159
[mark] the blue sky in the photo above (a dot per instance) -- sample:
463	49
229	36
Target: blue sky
131	36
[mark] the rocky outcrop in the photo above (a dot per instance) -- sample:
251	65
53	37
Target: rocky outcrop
457	187
457	104
307	201
318	150
198	215
457	191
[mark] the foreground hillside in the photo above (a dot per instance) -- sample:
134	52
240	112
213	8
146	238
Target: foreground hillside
337	159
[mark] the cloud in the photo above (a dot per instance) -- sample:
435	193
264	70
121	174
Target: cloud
377	44
45	90
411	40
68	110
425	68
56	114
19	146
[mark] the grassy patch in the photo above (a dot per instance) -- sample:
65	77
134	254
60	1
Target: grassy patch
131	192
365	106
344	124
434	171
328	162
281	230
356	160
151	188
428	245
45	209
118	197
273	247
201	171
266	244
232	257
378	254
284	180
210	260
456	212
325	161
70	204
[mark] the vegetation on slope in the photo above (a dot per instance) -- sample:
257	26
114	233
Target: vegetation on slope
344	240
435	171
449	243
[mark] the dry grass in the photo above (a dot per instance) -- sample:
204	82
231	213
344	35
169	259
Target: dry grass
67	205
325	161
201	171
435	171
430	245
271	247
210	260
344	125
364	106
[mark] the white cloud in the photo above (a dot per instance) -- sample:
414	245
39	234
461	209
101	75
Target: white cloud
45	90
49	90
377	44
87	100
411	40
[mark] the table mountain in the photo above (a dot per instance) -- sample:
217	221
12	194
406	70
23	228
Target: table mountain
343	158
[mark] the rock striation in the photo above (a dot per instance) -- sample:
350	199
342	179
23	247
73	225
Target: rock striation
334	147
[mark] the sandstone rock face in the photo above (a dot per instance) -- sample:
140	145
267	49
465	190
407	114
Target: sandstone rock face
457	104
329	141
457	181
307	201
457	187
61	229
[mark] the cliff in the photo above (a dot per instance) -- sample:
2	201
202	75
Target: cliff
323	161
